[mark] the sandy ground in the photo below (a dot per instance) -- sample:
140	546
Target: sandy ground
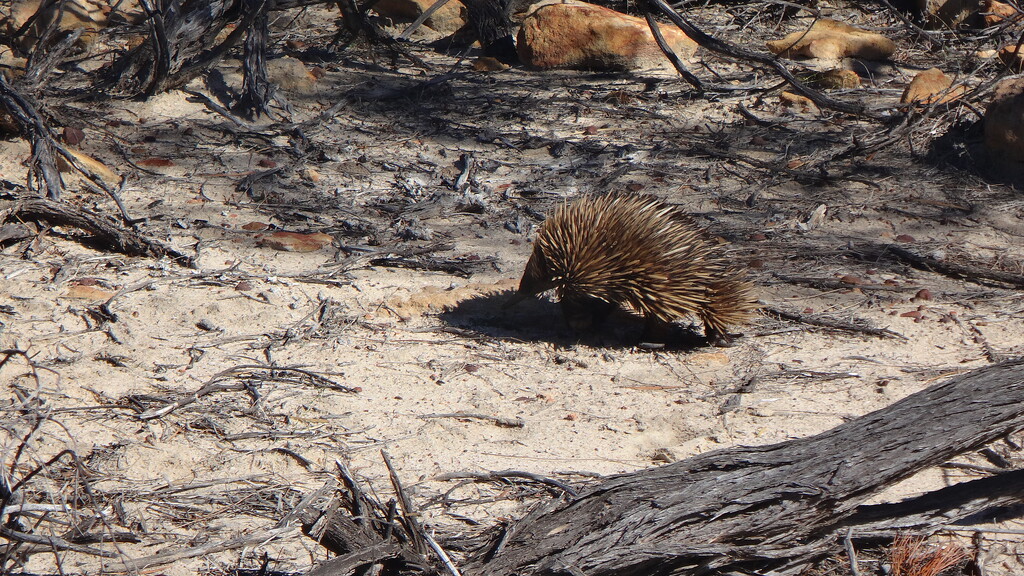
417	346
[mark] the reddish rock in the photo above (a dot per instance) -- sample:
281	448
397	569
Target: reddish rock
831	40
930	87
797	103
583	36
295	241
489	64
291	75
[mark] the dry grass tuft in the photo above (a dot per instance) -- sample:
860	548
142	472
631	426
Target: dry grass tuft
910	556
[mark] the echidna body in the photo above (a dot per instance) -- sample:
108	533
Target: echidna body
601	251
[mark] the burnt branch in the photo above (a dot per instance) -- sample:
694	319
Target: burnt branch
773	507
43	173
742	54
103	229
181	45
255	98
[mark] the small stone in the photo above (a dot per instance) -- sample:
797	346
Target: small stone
311	175
931	86
207	325
73	136
88	292
489	64
838	78
798	103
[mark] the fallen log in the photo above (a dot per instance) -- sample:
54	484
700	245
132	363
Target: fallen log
105	231
772	509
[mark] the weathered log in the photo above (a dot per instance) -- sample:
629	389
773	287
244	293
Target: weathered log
770	509
104	230
43	171
762	508
182	43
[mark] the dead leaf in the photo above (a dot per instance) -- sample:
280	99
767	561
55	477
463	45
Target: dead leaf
295	241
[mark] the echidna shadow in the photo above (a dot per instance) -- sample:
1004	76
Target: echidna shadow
541	319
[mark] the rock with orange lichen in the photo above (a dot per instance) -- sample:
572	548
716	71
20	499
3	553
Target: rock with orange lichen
584	36
830	40
797	103
994	12
930	87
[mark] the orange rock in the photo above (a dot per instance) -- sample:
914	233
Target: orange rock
798	103
839	78
489	64
1004	122
74	14
449	19
584	36
1013	57
831	40
931	86
291	75
994	12
295	241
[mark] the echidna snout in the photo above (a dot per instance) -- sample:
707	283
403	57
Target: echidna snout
635	250
536	279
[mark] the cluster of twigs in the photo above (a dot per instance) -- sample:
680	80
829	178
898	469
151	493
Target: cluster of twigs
56	504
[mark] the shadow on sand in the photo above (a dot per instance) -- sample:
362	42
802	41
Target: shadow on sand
540	320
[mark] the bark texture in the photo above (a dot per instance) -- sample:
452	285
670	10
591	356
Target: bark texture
771	508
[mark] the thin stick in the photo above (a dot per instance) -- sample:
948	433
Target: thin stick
832	324
409	513
170	556
670	54
448	561
498	420
716	45
851	553
422	18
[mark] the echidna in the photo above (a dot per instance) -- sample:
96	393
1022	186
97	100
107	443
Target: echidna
605	250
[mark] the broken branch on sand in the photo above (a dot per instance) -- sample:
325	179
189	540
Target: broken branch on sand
771	508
